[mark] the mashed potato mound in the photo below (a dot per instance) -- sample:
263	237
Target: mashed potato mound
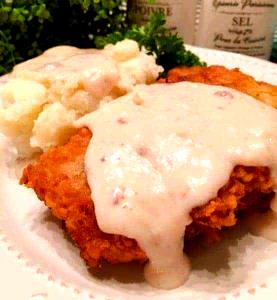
21	102
59	126
42	97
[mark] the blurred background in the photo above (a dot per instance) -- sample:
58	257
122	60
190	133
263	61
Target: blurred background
29	27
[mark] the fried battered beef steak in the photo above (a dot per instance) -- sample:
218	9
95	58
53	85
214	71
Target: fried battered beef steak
59	179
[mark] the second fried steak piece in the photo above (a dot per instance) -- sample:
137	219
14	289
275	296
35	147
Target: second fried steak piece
219	75
59	180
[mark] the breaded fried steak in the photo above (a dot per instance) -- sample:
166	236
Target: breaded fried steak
59	180
219	75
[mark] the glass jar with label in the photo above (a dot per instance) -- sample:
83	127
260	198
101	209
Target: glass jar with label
242	26
180	15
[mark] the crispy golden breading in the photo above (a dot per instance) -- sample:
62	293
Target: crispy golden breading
59	180
219	75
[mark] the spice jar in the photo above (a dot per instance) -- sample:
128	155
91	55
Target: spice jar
243	26
180	15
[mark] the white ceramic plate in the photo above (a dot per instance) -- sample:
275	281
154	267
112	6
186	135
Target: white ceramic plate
38	262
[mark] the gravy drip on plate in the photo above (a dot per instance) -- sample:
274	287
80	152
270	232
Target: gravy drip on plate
164	149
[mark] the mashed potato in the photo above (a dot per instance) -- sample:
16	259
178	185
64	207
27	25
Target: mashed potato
42	97
21	102
61	129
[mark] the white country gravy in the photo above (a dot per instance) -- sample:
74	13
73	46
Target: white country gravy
164	149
